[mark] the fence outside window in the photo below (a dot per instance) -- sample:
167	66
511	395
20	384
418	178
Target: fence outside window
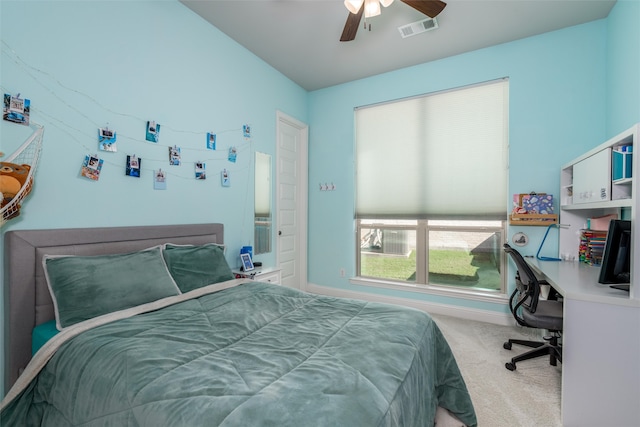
464	254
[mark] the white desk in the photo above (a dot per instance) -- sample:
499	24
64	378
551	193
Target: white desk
601	347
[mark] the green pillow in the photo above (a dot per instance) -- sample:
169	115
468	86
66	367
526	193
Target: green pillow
84	287
193	267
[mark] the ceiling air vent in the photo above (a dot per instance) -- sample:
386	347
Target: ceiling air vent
418	27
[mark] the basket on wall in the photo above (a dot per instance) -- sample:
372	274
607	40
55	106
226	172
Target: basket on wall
28	153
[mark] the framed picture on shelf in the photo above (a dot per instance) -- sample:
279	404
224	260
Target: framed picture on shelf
247	264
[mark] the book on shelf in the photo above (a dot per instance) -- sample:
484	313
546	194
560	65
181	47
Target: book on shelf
591	247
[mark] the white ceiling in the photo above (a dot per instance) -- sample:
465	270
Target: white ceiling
300	38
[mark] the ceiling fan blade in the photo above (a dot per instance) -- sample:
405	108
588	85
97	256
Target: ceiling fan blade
351	26
431	8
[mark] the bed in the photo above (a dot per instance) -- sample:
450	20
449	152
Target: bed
178	341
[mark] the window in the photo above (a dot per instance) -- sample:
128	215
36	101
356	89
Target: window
431	188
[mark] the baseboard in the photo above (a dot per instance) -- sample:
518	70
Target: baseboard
430	307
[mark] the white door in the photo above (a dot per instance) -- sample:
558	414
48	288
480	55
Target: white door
291	199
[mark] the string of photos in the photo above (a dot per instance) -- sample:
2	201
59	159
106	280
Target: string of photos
109	141
17	110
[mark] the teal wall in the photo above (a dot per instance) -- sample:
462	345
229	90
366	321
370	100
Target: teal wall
84	64
563	86
88	64
623	66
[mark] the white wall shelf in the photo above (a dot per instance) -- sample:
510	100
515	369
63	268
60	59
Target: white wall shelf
593	310
621	203
588	190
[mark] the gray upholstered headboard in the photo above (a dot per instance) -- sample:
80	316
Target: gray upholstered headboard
27	301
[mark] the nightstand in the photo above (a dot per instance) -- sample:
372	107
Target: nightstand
269	275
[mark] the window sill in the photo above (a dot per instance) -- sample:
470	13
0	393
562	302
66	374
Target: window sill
446	291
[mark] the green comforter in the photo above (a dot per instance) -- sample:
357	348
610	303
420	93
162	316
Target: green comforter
252	355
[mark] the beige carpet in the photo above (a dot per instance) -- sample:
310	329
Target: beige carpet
528	396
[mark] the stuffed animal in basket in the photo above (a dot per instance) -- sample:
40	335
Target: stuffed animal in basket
12	178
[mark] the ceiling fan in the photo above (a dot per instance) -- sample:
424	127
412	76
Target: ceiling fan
357	8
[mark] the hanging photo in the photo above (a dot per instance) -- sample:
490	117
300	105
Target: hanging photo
133	166
159	180
246	131
211	141
153	131
174	156
16	109
91	167
200	170
233	154
107	140
225	179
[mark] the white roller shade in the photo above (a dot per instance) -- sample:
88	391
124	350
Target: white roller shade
434	156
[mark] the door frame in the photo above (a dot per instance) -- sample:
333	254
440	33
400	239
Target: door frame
303	190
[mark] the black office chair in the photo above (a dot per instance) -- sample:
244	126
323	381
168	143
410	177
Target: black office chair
529	310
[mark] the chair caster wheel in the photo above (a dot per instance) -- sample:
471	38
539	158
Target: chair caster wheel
510	366
507	345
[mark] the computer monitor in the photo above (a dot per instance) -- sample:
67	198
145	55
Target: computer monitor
616	260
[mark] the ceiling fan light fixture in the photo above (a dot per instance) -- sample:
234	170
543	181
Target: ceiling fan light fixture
353	6
371	8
